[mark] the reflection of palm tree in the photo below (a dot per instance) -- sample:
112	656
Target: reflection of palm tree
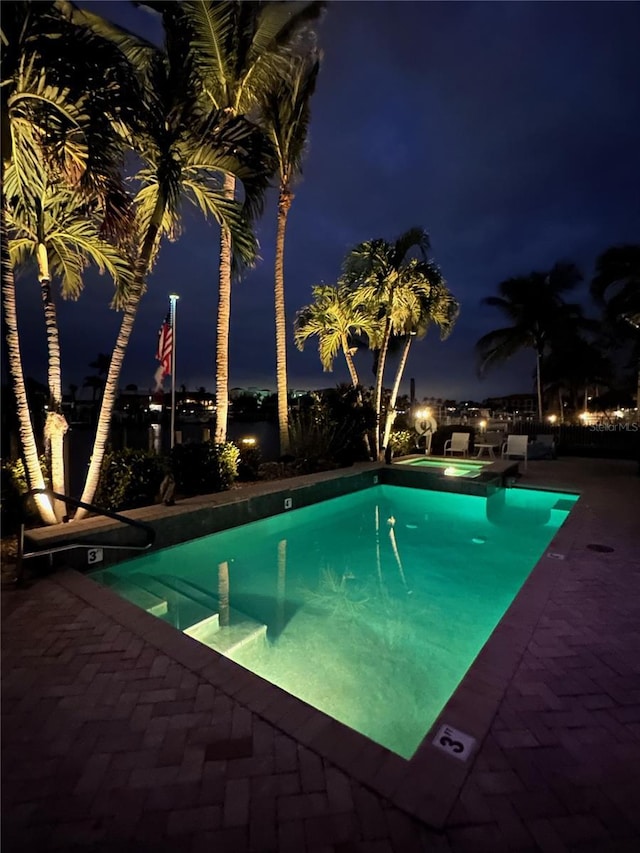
281	585
336	595
223	594
538	313
396	552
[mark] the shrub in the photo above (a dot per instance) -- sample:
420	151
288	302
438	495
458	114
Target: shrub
202	467
14	507
331	432
129	479
403	442
249	463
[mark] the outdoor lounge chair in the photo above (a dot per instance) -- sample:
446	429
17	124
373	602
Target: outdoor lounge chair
516	445
458	443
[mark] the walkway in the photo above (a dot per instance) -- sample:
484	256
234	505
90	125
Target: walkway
111	745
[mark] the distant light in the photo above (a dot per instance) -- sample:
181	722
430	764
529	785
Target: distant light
249	441
552	419
583	416
482	424
619	413
155	407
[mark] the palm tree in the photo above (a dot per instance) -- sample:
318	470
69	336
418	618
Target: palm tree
61	234
62	102
616	286
380	275
434	304
539	315
333	318
572	367
188	153
241	52
287	111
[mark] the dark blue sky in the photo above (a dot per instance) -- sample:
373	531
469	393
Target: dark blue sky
510	131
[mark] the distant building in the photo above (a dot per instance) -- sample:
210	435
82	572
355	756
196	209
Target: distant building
514	404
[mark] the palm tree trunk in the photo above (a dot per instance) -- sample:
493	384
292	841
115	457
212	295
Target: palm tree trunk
56	424
377	394
281	587
353	373
350	365
561	402
111	383
284	203
33	471
391	412
222	325
539	385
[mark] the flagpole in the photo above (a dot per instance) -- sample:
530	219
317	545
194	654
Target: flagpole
173	298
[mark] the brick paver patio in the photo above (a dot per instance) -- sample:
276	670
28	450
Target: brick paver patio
109	744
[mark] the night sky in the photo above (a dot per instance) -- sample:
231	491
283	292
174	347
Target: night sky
510	131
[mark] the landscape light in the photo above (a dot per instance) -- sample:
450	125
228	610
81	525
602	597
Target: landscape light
583	416
552	419
249	441
482	424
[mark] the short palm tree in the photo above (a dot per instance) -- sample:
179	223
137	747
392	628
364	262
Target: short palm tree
334	319
287	112
434	304
379	274
538	314
241	52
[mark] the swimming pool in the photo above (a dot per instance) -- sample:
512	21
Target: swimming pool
450	467
370	607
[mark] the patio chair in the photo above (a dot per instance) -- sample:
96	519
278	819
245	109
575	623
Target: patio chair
516	445
544	447
458	443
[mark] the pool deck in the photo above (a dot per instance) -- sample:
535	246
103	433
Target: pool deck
118	736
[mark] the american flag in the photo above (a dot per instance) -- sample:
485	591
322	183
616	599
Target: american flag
165	349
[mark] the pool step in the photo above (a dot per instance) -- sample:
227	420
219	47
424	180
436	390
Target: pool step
196	613
202	631
240	633
182	610
149	601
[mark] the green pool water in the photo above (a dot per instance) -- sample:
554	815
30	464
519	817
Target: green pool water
454	466
370	607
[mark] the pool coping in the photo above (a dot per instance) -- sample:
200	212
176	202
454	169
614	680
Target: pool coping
425	786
